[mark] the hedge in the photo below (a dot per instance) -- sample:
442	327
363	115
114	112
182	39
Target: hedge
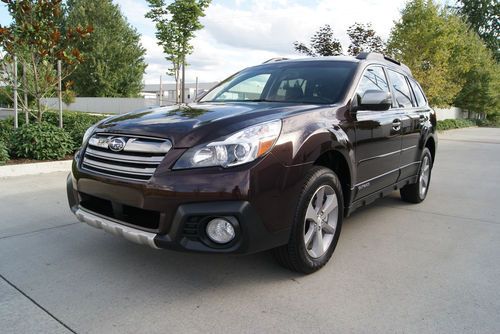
4	153
43	141
448	124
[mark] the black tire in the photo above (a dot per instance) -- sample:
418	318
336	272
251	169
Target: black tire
413	193
294	255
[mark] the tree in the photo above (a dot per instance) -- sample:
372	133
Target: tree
114	58
484	18
323	43
434	43
38	39
364	39
176	25
482	82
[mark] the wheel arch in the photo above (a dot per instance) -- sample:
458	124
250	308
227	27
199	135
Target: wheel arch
337	162
431	145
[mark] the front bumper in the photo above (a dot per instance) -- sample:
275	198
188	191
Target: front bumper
184	229
116	228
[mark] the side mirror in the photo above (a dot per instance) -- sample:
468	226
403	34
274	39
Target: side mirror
375	100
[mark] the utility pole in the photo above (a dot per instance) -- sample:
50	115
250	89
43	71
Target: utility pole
196	90
183	85
59	91
16	120
25	87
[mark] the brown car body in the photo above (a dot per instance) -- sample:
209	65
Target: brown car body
373	152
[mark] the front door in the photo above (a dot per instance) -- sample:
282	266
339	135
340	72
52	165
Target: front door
378	139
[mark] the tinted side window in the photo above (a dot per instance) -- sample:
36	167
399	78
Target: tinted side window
400	89
418	93
373	79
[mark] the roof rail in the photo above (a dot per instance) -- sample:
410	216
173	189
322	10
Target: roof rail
275	59
379	56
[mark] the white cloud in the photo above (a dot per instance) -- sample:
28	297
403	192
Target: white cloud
241	33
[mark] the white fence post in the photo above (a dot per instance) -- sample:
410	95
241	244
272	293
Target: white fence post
16	120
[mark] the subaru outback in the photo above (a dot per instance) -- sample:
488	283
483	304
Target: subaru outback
272	158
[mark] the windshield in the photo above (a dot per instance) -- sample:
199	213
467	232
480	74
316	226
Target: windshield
321	82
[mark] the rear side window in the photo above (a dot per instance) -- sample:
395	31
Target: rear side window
400	89
418	93
373	79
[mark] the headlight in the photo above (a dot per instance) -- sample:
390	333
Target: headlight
239	148
87	134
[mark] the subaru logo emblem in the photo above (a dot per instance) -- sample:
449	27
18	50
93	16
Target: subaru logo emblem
116	144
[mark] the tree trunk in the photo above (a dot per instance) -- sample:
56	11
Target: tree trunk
176	89
39	107
37	89
183	86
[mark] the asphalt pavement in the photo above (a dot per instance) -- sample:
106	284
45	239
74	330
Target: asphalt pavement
398	268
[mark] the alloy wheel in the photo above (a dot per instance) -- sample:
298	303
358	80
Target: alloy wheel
321	221
425	173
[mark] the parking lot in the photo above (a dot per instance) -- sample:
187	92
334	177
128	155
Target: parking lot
398	267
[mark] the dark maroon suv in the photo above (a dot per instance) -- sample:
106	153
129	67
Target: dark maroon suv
274	157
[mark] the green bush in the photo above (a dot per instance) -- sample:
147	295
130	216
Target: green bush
41	141
489	123
4	153
448	124
71	117
75	123
46	141
6	130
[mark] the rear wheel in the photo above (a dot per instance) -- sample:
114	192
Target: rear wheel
317	223
416	192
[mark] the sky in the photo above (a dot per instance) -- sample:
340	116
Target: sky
242	33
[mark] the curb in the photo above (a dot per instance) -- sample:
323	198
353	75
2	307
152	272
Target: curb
35	168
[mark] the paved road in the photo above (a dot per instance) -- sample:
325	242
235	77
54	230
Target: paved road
398	268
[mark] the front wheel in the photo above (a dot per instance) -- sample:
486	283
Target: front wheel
317	223
416	192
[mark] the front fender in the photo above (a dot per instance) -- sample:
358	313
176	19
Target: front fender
304	142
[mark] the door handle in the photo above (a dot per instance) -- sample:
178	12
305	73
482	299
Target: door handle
396	125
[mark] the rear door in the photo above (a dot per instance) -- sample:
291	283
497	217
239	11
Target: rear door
410	118
419	115
378	139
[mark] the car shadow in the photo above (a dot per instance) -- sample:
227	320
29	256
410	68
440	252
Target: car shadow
166	270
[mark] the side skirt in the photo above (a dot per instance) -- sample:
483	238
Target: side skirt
379	194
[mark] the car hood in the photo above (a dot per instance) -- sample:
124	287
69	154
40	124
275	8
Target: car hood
189	125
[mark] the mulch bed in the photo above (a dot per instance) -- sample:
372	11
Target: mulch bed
30	161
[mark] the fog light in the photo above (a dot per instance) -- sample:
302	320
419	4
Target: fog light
220	230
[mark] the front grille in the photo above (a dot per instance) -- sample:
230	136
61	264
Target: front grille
124	156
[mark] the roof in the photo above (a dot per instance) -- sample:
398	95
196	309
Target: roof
363	56
312	59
